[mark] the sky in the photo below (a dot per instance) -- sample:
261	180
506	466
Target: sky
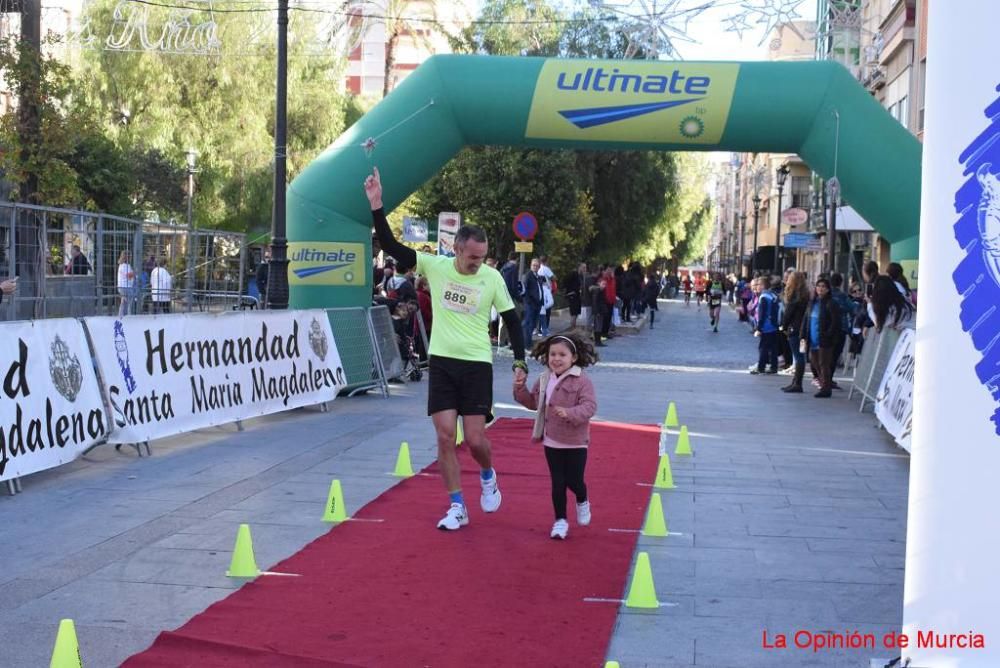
715	43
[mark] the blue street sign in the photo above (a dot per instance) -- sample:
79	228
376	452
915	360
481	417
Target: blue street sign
525	226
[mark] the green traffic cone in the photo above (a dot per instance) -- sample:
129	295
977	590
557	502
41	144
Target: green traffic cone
243	564
671	419
642	594
403	467
683	443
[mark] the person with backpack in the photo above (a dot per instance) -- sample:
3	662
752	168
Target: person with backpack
768	321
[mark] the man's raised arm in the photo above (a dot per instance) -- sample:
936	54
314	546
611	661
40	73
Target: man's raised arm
406	257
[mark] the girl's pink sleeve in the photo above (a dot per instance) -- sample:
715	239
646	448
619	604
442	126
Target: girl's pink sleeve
586	403
526	398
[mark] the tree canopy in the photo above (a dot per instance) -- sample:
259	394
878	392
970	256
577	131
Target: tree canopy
117	127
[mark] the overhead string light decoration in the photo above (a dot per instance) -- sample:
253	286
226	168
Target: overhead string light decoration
654	28
195	27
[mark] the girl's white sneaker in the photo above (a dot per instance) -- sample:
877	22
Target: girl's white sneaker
583	513
560	529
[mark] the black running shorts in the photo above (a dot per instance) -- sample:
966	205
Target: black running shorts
459	385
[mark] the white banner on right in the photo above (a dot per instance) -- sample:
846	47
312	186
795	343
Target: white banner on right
951	614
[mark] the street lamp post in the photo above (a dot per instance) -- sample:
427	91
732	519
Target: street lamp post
779	253
277	274
743	236
756	221
192	156
833	190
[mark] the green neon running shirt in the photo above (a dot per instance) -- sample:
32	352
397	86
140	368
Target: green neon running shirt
461	306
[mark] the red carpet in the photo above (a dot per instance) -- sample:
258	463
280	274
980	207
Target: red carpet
499	592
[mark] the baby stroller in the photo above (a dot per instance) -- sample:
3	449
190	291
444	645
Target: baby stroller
404	323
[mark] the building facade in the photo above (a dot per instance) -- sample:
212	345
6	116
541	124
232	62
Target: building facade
407	31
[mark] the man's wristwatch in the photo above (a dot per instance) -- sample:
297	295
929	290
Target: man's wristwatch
519	364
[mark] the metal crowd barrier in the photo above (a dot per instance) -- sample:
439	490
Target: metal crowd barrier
872	362
355	337
386	346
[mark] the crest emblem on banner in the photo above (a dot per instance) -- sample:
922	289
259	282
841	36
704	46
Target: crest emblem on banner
64	368
977	277
317	340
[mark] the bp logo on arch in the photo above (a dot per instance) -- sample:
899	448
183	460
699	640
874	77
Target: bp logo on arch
647	102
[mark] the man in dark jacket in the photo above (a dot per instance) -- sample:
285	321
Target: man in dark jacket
534	297
596	288
846	315
261	278
573	289
78	264
509	273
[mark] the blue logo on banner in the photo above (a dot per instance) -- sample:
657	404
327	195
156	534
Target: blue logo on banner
588	118
977	231
121	348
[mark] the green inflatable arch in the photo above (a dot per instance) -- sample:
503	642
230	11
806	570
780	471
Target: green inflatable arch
814	109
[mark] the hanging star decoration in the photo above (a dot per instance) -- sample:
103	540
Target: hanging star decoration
738	24
369	146
654	26
771	14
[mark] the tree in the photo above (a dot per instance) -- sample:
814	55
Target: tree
221	105
489	186
697	228
514	28
46	84
404	18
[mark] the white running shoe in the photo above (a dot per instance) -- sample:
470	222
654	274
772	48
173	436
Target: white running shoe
490	499
560	529
455	518
583	513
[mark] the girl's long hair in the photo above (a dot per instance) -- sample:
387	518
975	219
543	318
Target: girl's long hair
581	347
886	297
796	289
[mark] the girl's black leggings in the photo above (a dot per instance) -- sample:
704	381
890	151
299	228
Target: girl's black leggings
566	466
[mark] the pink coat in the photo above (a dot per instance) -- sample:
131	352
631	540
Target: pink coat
575	393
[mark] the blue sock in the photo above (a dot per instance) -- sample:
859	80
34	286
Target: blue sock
486	474
456	497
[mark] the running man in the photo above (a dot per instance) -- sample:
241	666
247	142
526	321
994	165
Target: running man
699	289
686	283
715	302
463	291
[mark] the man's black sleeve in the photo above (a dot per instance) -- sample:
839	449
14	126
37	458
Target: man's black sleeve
406	257
513	326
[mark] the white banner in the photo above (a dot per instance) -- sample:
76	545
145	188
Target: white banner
894	401
170	374
448	224
414	230
51	408
953	537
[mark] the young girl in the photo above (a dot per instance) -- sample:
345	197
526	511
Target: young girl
565	400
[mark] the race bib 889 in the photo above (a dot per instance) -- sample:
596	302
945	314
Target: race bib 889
460	298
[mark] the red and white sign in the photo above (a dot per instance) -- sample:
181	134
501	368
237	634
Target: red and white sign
793	217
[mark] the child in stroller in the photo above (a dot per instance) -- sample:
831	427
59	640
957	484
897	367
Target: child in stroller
404	323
